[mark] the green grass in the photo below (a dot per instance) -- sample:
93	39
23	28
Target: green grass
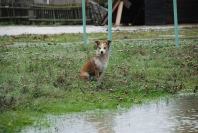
36	80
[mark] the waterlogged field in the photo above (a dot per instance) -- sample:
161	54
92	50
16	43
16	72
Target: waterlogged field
40	74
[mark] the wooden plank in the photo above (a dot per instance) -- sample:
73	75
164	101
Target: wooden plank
6	7
119	13
61	20
114	8
56	6
15	17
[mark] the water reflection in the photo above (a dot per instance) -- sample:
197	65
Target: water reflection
175	115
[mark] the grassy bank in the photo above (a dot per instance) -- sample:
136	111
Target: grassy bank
39	74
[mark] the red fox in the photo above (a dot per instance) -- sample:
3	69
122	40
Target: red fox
94	67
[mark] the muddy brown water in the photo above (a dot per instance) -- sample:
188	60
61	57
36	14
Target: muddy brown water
168	115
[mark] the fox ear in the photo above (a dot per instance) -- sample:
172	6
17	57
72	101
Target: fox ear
97	43
108	43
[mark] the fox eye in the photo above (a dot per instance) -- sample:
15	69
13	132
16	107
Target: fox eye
99	47
104	47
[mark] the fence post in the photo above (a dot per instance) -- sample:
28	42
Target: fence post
0	12
30	13
84	22
110	20
176	23
0	8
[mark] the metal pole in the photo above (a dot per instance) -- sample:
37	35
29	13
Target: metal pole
176	23
110	20
84	22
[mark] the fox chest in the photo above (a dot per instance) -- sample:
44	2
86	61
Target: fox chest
100	64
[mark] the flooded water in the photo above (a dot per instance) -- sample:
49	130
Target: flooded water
170	115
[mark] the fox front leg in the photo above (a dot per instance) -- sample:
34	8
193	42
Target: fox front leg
97	74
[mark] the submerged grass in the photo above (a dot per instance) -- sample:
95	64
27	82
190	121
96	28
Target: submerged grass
36	80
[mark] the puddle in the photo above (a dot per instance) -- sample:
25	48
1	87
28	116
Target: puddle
170	115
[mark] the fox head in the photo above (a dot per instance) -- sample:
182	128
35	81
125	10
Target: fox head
102	47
